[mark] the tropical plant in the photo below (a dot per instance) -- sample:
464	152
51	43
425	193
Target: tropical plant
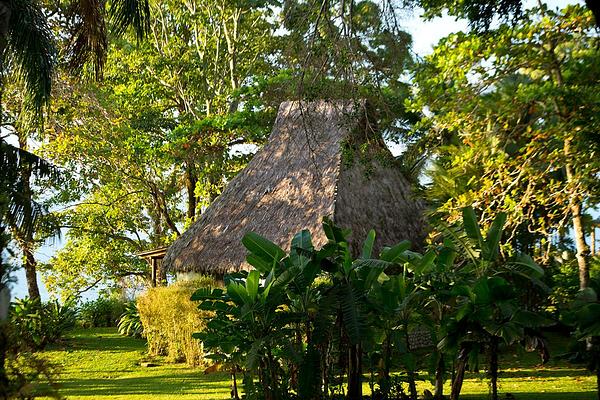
488	308
37	325
130	323
305	321
101	312
583	315
302	321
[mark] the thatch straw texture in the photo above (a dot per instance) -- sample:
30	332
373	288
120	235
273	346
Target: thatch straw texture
315	164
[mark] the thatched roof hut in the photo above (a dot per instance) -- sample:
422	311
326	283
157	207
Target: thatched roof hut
322	159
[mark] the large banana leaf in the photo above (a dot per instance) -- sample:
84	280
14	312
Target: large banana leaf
264	249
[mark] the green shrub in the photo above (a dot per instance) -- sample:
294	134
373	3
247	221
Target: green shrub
37	324
130	323
102	312
170	318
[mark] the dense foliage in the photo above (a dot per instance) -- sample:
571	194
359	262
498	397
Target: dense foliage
130	323
102	311
37	324
503	118
512	125
304	321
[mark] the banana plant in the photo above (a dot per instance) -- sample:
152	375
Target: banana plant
252	318
488	308
583	315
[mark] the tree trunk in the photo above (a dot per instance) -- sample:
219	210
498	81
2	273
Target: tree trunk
593	240
25	236
412	385
190	183
581	246
4	305
31	273
3	350
386	368
325	367
598	381
355	373
494	367
234	389
439	378
459	376
578	230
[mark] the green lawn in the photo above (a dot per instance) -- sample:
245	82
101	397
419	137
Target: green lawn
101	364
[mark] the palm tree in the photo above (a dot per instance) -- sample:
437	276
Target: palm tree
27	44
28	52
27	49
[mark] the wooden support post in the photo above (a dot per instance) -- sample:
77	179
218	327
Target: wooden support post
154	265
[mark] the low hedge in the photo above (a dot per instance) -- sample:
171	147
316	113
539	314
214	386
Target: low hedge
101	312
170	318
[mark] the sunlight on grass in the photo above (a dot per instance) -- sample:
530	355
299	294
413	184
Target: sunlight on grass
100	364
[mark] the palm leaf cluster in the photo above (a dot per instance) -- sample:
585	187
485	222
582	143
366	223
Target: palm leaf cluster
28	43
16	209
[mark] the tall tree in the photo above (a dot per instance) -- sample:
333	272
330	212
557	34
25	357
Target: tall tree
518	110
154	142
28	56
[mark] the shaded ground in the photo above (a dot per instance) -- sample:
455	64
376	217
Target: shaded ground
101	364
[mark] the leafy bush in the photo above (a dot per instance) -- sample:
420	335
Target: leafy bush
130	323
37	325
308	321
102	312
583	316
170	318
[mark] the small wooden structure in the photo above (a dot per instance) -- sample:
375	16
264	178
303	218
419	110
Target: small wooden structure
154	258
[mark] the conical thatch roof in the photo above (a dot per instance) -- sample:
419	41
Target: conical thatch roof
322	159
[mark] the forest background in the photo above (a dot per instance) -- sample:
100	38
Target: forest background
425	35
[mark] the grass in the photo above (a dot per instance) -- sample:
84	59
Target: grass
101	364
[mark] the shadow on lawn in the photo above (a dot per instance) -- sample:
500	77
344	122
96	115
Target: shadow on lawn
536	373
535	396
102	339
545	373
189	383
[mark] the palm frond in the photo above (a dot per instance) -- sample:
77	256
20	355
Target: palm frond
88	37
30	51
351	313
89	42
15	208
134	13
